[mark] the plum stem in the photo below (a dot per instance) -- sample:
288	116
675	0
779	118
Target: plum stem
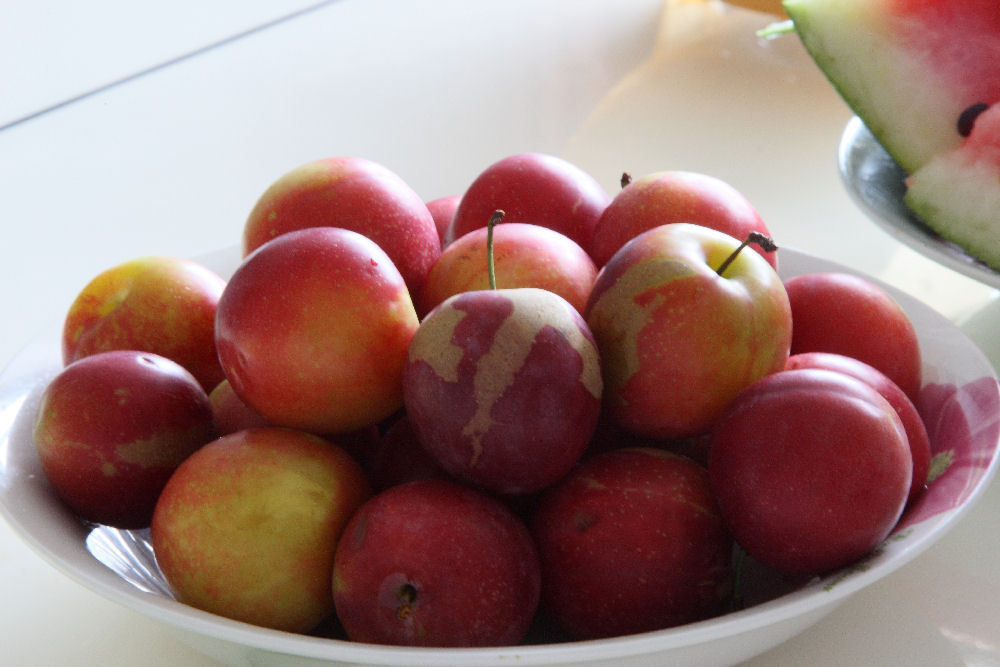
491	271
763	240
626	179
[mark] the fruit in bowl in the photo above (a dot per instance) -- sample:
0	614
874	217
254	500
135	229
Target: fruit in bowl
503	387
163	305
112	427
675	196
811	468
843	313
627	516
436	563
535	188
524	255
500	401
351	193
684	318
960	403
312	331
913	424
247	526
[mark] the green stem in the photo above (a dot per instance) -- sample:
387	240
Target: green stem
494	220
776	29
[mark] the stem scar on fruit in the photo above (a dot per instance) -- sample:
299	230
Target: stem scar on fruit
407	595
763	240
494	221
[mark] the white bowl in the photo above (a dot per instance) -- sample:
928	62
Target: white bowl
960	402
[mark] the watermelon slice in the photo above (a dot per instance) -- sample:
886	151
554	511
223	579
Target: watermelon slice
907	68
957	192
924	76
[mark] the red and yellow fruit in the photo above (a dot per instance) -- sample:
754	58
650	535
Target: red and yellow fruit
162	305
351	193
536	188
524	255
247	527
678	340
111	428
313	329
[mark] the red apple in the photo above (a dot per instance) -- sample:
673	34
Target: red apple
356	194
676	196
503	387
524	255
113	426
436	563
677	340
811	469
313	329
247	526
851	315
916	432
162	305
443	210
632	540
536	188
231	412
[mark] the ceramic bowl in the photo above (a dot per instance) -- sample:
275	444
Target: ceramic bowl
960	402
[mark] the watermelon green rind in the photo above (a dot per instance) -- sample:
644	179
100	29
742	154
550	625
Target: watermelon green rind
969	217
893	64
957	193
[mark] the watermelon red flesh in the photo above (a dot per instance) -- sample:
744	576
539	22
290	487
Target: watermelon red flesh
907	68
957	193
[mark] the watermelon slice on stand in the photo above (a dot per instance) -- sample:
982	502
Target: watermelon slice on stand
957	192
924	77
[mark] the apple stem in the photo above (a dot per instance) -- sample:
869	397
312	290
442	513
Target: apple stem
760	239
626	178
491	271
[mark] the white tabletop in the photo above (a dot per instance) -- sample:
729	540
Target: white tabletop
126	133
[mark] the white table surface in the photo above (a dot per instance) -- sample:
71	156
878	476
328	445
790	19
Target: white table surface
128	130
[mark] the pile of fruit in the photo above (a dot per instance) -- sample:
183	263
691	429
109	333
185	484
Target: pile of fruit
437	423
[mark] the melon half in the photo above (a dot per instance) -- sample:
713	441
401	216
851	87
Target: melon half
924	77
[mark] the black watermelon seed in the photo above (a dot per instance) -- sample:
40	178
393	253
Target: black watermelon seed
967	119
